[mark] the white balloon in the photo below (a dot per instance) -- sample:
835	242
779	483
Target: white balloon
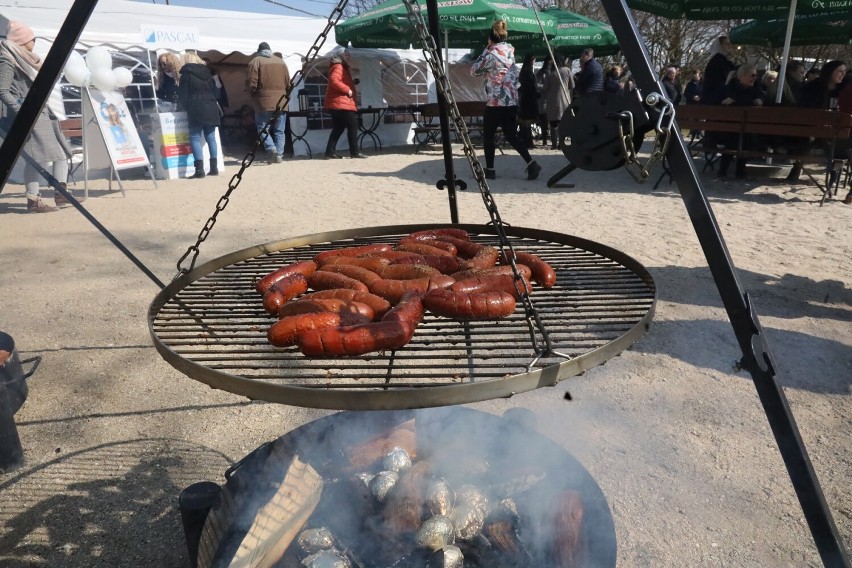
75	60
123	76
78	75
103	79
99	57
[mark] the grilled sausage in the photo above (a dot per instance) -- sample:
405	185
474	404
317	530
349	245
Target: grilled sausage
380	305
542	272
473	306
351	251
323	280
373	263
352	271
503	269
305	268
392	255
466	249
408	271
285	332
283	291
393	290
493	283
485	257
409	310
444	264
333	305
421	247
438	233
355	340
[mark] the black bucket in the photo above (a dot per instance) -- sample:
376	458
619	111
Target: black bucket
13	393
195	502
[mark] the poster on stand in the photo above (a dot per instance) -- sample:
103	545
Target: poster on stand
123	146
172	152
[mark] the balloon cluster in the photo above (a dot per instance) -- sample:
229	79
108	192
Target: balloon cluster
96	70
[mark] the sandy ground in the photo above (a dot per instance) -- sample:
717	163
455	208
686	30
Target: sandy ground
671	430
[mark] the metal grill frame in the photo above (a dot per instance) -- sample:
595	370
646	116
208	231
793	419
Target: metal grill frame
345	393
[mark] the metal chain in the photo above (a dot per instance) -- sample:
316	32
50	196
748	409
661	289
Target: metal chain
430	51
663	130
283	103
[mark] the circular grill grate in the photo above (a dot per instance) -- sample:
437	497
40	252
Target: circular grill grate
210	324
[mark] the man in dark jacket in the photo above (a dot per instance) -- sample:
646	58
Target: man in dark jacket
591	77
267	79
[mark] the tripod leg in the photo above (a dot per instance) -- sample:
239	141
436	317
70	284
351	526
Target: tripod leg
557	177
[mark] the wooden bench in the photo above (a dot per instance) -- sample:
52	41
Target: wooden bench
428	130
773	123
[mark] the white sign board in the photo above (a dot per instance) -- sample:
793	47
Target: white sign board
173	37
119	135
172	153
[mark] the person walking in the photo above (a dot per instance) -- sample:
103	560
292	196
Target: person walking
267	79
528	96
497	65
340	103
197	94
672	86
556	97
591	77
45	144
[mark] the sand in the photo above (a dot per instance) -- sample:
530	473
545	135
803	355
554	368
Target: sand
671	430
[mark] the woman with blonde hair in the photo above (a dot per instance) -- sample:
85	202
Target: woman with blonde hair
497	64
168	77
197	95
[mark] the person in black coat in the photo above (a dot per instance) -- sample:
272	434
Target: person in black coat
527	100
672	86
591	76
692	91
197	93
612	80
718	67
742	90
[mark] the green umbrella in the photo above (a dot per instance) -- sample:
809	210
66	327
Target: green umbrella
730	9
815	29
575	32
463	23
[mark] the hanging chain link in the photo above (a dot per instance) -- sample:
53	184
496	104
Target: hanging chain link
283	103
663	133
430	51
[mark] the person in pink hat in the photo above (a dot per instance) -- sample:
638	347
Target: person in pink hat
46	144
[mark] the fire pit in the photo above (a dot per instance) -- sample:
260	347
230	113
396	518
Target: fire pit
512	466
210	324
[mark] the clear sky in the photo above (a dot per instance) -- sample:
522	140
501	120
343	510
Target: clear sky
321	8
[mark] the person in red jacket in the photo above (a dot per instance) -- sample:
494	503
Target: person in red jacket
340	103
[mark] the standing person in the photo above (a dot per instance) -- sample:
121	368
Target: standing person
692	91
672	86
340	103
590	79
558	98
198	97
497	64
45	144
168	79
267	79
527	100
543	123
718	67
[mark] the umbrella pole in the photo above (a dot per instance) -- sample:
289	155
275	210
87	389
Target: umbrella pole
757	359
449	182
785	56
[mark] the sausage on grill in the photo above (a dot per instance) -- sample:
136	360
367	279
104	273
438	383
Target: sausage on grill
351	251
283	291
306	268
380	305
323	280
469	306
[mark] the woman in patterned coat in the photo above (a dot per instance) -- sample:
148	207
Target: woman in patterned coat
497	64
